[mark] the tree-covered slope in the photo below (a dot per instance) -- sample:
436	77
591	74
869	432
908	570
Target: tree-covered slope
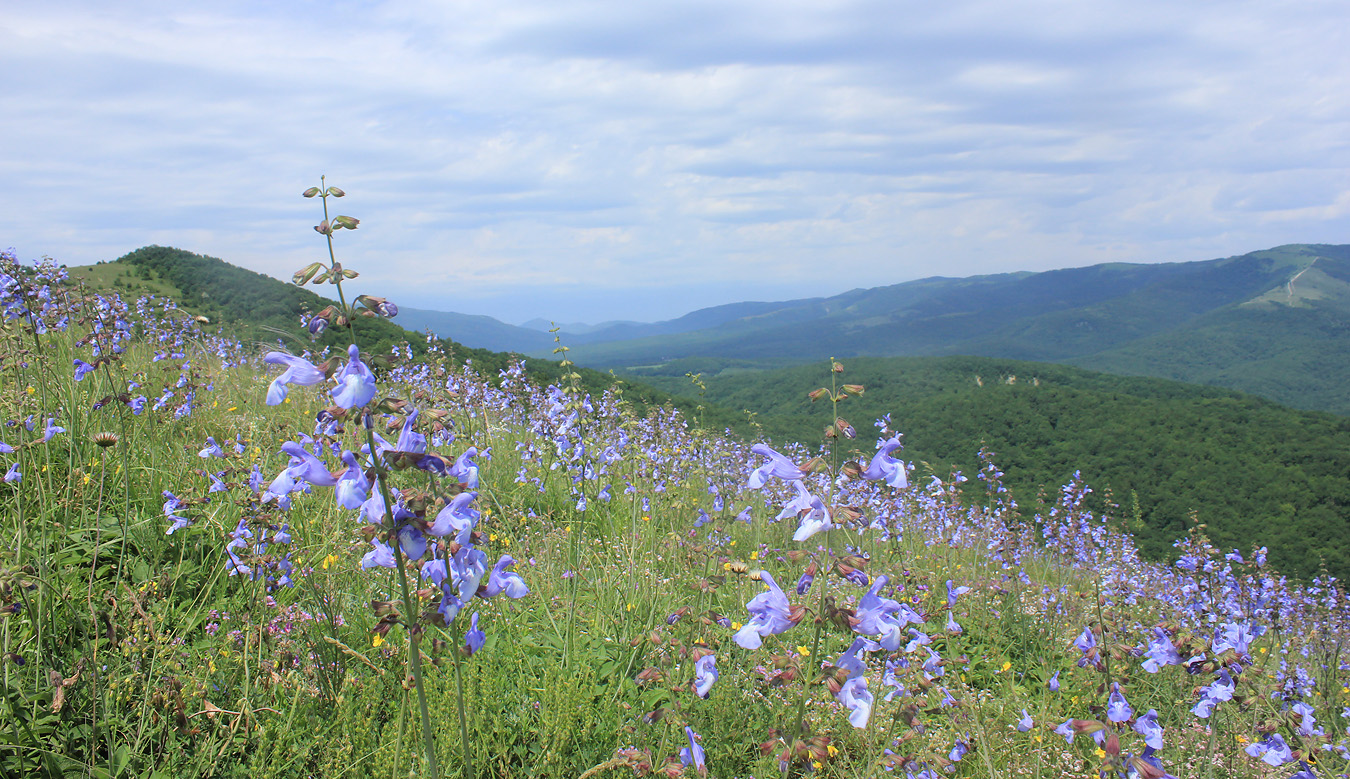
1254	471
1291	343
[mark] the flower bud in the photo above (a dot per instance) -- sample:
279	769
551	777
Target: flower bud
335	192
311	192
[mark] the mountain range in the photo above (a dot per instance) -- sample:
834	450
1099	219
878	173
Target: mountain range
1170	454
1274	323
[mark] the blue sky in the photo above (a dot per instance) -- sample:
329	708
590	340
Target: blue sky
595	160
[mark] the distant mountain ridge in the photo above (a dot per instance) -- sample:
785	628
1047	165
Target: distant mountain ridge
1273	322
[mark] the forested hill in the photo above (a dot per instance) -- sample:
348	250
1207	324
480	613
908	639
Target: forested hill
1255	472
1274	322
255	307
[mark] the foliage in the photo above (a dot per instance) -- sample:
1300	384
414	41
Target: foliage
1253	471
648	544
1270	322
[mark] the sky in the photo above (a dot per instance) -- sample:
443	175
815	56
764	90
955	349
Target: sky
587	160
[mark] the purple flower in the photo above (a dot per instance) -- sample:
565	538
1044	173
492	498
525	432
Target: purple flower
468	566
1026	723
954	592
504	581
409	440
465	470
352	486
356	384
916	640
1307	723
1085	641
381	556
804	583
932	667
1117	708
412	542
298	371
693	754
457	517
1160	652
770	614
884	468
473	637
1053	684
1221	689
888	678
814	516
211	450
51	429
13	475
1234	636
777	466
855	697
705	675
853	694
307	467
959	750
1066	730
1272	750
82	369
435	570
1148	727
877	616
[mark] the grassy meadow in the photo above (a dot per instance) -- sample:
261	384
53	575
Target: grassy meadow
512	580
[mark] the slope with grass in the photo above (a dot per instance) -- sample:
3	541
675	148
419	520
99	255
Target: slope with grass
631	625
260	310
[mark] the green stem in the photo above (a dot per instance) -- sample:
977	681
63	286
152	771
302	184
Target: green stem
410	609
463	723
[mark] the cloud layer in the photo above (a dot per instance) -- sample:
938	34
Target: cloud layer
603	160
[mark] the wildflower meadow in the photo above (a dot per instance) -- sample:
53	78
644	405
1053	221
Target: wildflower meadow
227	559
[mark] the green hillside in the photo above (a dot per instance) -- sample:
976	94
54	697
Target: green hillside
1291	343
1256	472
254	307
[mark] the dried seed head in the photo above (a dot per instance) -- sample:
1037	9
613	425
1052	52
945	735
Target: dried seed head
105	439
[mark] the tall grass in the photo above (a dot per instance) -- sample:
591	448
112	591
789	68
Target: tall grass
130	652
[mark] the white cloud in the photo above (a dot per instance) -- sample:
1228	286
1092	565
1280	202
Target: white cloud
498	152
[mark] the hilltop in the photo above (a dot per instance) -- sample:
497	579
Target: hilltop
1274	322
